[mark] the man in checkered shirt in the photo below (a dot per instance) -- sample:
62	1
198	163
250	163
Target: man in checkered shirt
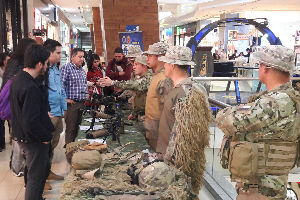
75	84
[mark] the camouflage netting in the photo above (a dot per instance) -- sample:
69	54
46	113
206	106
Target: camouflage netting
193	116
111	181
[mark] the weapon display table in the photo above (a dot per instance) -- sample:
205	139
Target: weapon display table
112	181
132	133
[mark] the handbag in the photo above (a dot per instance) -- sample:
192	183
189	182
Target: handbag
4	101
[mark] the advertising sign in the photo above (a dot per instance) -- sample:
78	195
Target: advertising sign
131	38
243	36
232	34
130	28
37	19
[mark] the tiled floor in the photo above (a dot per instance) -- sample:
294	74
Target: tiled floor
12	187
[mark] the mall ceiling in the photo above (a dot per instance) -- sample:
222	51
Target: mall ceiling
176	12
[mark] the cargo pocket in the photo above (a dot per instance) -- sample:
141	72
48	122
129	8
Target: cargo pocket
243	159
281	158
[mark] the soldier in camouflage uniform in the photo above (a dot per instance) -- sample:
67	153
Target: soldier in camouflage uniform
159	87
133	52
269	123
139	85
185	117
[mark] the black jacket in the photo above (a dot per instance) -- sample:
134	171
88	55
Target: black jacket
29	110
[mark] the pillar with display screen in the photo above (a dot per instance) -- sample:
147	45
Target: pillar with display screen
204	62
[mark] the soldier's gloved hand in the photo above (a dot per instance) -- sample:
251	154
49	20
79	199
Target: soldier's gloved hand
120	69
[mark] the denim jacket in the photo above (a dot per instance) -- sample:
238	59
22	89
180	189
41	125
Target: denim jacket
56	93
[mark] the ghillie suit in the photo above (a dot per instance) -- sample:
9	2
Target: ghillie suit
190	135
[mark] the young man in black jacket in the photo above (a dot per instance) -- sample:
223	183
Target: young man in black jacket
31	125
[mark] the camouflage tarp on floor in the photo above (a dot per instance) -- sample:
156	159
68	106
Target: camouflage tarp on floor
111	181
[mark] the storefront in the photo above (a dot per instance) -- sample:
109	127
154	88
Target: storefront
44	27
167	36
65	41
182	34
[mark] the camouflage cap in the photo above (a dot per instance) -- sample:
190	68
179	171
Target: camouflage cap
158	48
277	57
142	60
134	51
178	55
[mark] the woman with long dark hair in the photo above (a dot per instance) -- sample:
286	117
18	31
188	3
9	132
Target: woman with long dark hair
16	63
95	72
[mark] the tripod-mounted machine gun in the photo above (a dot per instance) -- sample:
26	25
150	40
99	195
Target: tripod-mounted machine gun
114	124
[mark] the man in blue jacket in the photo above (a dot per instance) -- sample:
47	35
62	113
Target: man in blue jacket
56	98
31	125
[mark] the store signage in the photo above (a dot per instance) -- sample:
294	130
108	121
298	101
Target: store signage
243	36
130	28
131	38
37	19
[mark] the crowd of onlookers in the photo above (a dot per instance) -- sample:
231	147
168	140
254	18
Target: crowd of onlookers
36	95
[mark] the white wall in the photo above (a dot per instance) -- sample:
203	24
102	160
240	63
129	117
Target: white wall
282	23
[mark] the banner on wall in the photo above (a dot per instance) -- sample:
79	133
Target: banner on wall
243	36
131	38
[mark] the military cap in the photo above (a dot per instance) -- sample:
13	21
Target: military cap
142	60
134	51
277	57
158	48
158	174
178	55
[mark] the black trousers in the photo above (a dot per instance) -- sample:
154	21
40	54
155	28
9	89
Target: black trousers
2	134
37	168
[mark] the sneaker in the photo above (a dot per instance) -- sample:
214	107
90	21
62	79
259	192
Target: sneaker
53	176
19	174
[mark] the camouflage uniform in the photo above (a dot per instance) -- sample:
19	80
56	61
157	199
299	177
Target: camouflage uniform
184	123
159	86
139	86
270	118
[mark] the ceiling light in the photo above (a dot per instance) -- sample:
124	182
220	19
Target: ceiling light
74	15
162	15
87	6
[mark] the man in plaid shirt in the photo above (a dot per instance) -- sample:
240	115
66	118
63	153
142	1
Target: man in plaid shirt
75	84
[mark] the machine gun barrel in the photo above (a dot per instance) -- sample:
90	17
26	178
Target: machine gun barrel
218	103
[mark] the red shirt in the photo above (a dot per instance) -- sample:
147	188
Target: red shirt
93	77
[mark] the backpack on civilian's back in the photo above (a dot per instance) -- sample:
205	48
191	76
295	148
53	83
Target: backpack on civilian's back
4	101
17	160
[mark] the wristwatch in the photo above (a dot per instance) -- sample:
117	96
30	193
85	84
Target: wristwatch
112	83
